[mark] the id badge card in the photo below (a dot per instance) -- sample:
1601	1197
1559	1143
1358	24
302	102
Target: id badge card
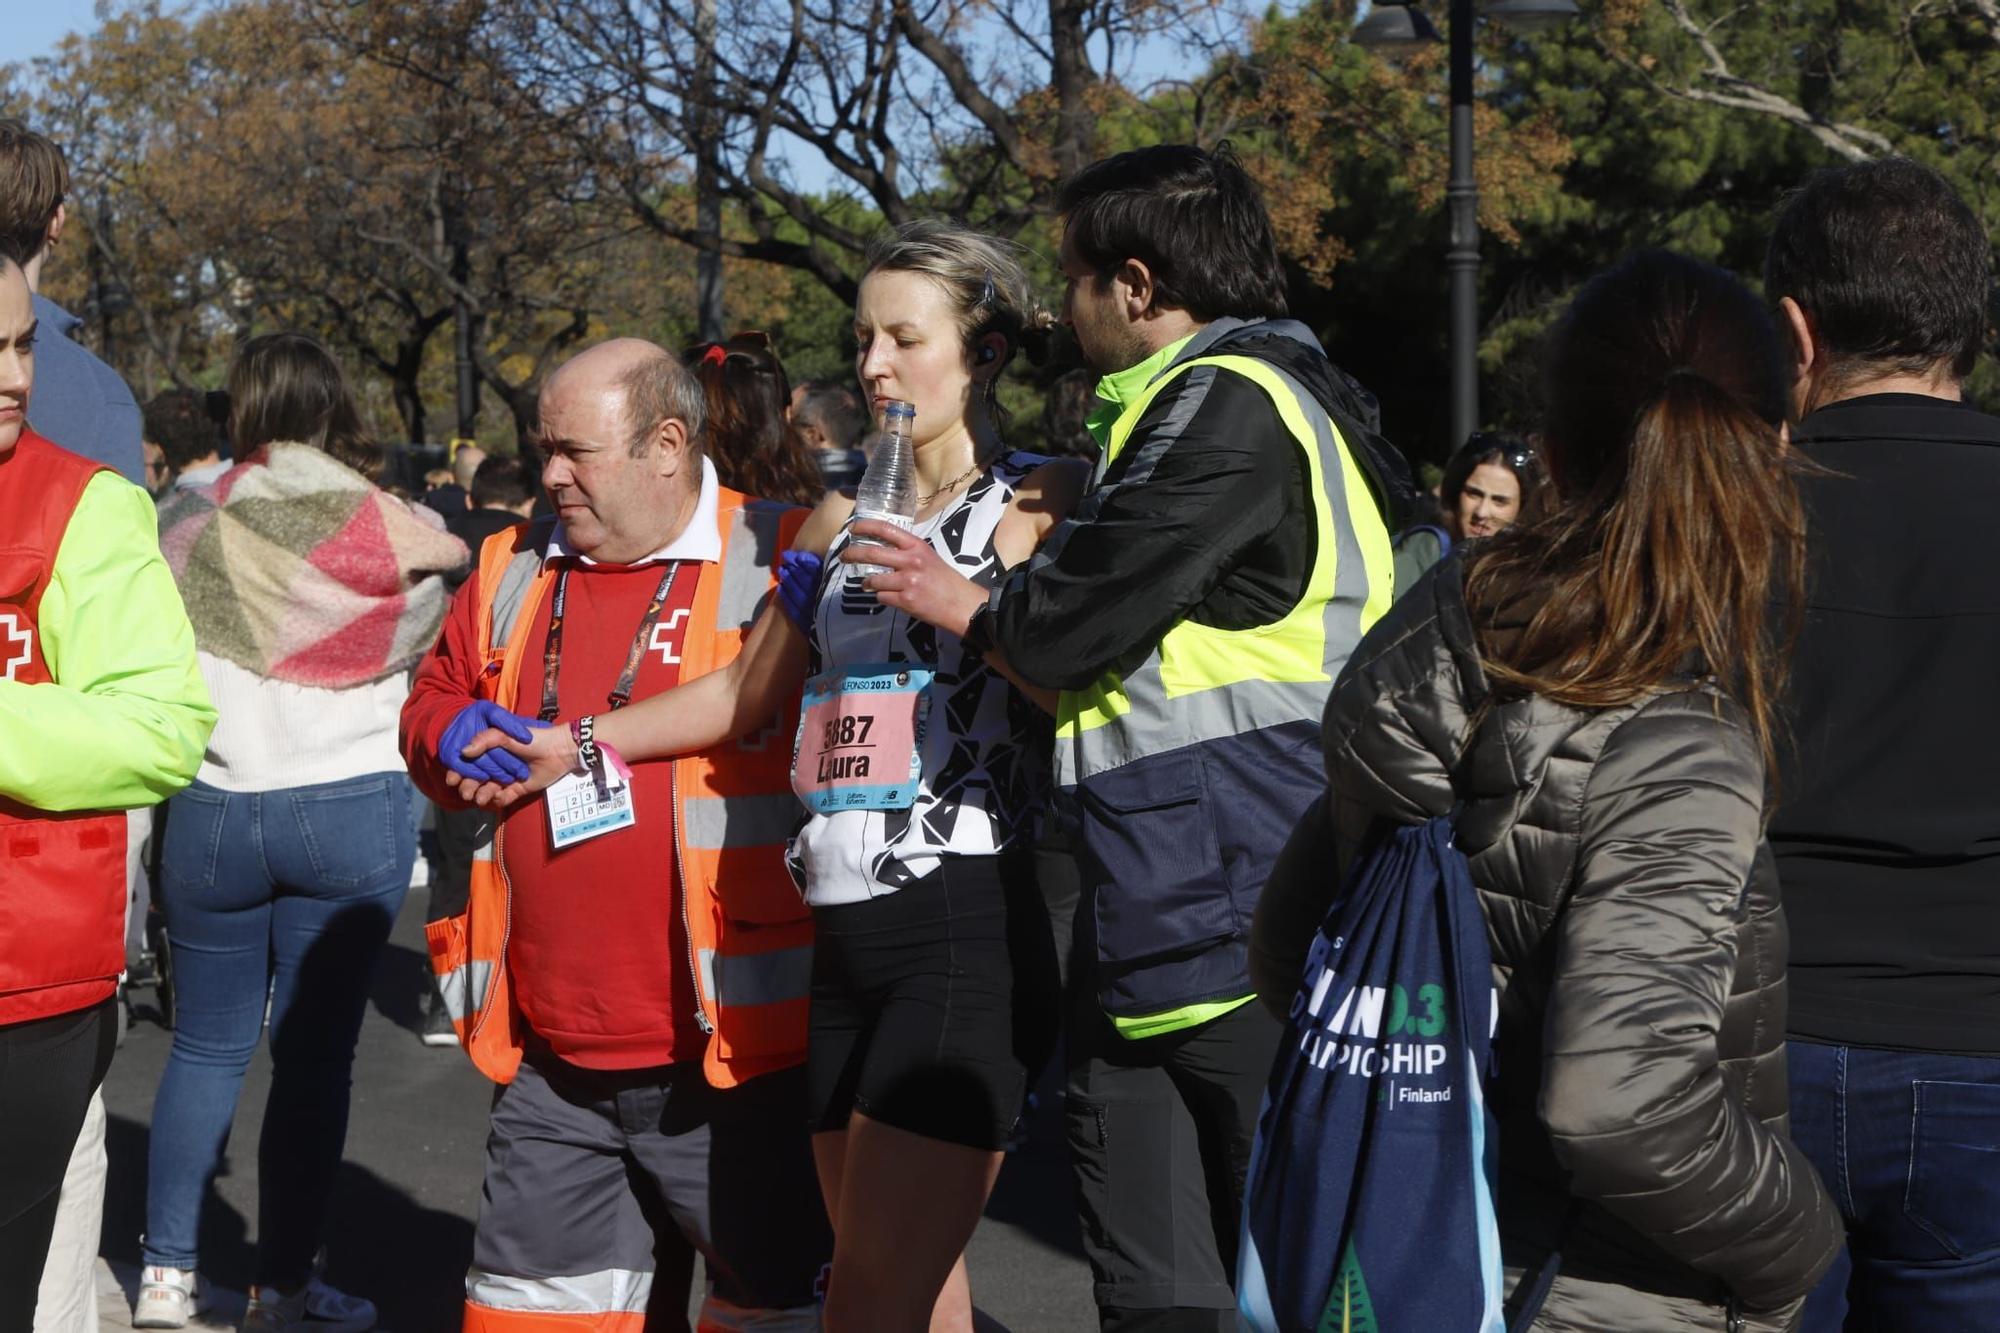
580	810
861	737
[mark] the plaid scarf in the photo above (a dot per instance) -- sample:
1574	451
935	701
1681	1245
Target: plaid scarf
300	569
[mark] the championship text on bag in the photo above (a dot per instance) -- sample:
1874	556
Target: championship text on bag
1369	1207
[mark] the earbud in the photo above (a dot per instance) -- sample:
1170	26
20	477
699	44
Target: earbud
986	354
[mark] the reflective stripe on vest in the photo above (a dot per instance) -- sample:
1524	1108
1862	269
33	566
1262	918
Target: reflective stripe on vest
464	988
739	821
1203	683
750	555
757	978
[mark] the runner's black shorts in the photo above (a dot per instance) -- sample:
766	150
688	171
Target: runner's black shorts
934	1007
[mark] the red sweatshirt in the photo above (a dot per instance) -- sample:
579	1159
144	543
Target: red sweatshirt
596	955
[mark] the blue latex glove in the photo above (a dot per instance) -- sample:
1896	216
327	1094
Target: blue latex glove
495	765
798	580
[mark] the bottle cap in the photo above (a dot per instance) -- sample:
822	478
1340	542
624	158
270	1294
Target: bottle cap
896	407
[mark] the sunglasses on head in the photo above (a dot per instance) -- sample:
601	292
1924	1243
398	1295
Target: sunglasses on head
1514	453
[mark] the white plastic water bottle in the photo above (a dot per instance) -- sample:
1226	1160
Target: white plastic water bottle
888	490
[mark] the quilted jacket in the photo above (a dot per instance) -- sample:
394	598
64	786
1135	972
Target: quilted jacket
1639	944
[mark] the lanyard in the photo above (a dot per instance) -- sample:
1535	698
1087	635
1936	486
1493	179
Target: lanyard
621	693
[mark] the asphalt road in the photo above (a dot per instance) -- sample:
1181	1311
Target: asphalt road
403	1213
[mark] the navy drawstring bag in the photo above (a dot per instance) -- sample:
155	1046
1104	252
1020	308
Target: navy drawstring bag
1369	1205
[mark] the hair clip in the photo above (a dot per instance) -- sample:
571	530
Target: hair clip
715	355
988	294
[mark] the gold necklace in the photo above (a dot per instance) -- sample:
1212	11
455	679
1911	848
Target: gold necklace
951	485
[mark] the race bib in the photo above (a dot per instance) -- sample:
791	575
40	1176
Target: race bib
861	737
581	808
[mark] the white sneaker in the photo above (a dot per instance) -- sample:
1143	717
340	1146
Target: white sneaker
313	1308
168	1298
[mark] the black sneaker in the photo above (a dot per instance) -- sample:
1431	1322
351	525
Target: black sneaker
437	1023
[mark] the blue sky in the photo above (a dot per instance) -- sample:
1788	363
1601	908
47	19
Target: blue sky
35	26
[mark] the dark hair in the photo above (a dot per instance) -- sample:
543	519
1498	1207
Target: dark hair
287	387
1678	521
187	424
34	179
1065	412
1892	268
1484	446
754	448
502	479
834	408
1194	218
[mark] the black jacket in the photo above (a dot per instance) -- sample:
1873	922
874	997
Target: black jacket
473	527
1888	828
1639	944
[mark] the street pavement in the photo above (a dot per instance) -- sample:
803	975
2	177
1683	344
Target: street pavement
408	1195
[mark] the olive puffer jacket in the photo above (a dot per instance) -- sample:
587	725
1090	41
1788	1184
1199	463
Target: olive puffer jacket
1639	944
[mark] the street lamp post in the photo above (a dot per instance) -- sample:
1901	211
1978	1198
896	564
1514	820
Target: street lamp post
1461	255
1397	29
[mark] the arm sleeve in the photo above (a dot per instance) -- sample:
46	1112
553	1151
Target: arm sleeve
126	718
1145	550
447	680
1633	1093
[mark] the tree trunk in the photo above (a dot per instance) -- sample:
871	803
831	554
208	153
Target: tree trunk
707	189
1071	75
409	401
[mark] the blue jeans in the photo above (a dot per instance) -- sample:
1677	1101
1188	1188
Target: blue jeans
289	894
1908	1143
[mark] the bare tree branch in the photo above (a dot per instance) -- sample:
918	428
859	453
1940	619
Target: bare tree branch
959	78
1718	85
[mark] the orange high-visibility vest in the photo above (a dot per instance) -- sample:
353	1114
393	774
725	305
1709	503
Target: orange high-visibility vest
748	929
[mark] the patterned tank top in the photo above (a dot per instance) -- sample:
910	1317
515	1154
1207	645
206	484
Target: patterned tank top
985	753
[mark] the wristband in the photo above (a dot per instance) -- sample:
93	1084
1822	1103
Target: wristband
582	730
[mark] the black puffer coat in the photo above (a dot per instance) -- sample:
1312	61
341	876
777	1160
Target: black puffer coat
1637	935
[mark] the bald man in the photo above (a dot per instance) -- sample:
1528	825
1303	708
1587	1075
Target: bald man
633	962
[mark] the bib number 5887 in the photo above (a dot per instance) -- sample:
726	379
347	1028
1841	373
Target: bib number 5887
852	729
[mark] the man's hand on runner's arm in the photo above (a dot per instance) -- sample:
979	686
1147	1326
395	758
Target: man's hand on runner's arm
919	582
486	795
547	754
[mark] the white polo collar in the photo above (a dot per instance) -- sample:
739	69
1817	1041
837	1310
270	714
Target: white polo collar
701	539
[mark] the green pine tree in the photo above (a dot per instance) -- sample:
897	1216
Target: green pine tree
1349	1310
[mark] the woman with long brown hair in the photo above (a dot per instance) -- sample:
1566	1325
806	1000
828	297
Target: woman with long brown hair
1594	687
747	434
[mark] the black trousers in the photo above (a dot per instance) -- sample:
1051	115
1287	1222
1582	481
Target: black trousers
49	1067
1160	1133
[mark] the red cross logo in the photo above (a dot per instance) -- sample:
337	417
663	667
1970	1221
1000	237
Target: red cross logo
17	645
664	642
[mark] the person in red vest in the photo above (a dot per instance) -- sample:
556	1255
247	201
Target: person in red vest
101	710
632	964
